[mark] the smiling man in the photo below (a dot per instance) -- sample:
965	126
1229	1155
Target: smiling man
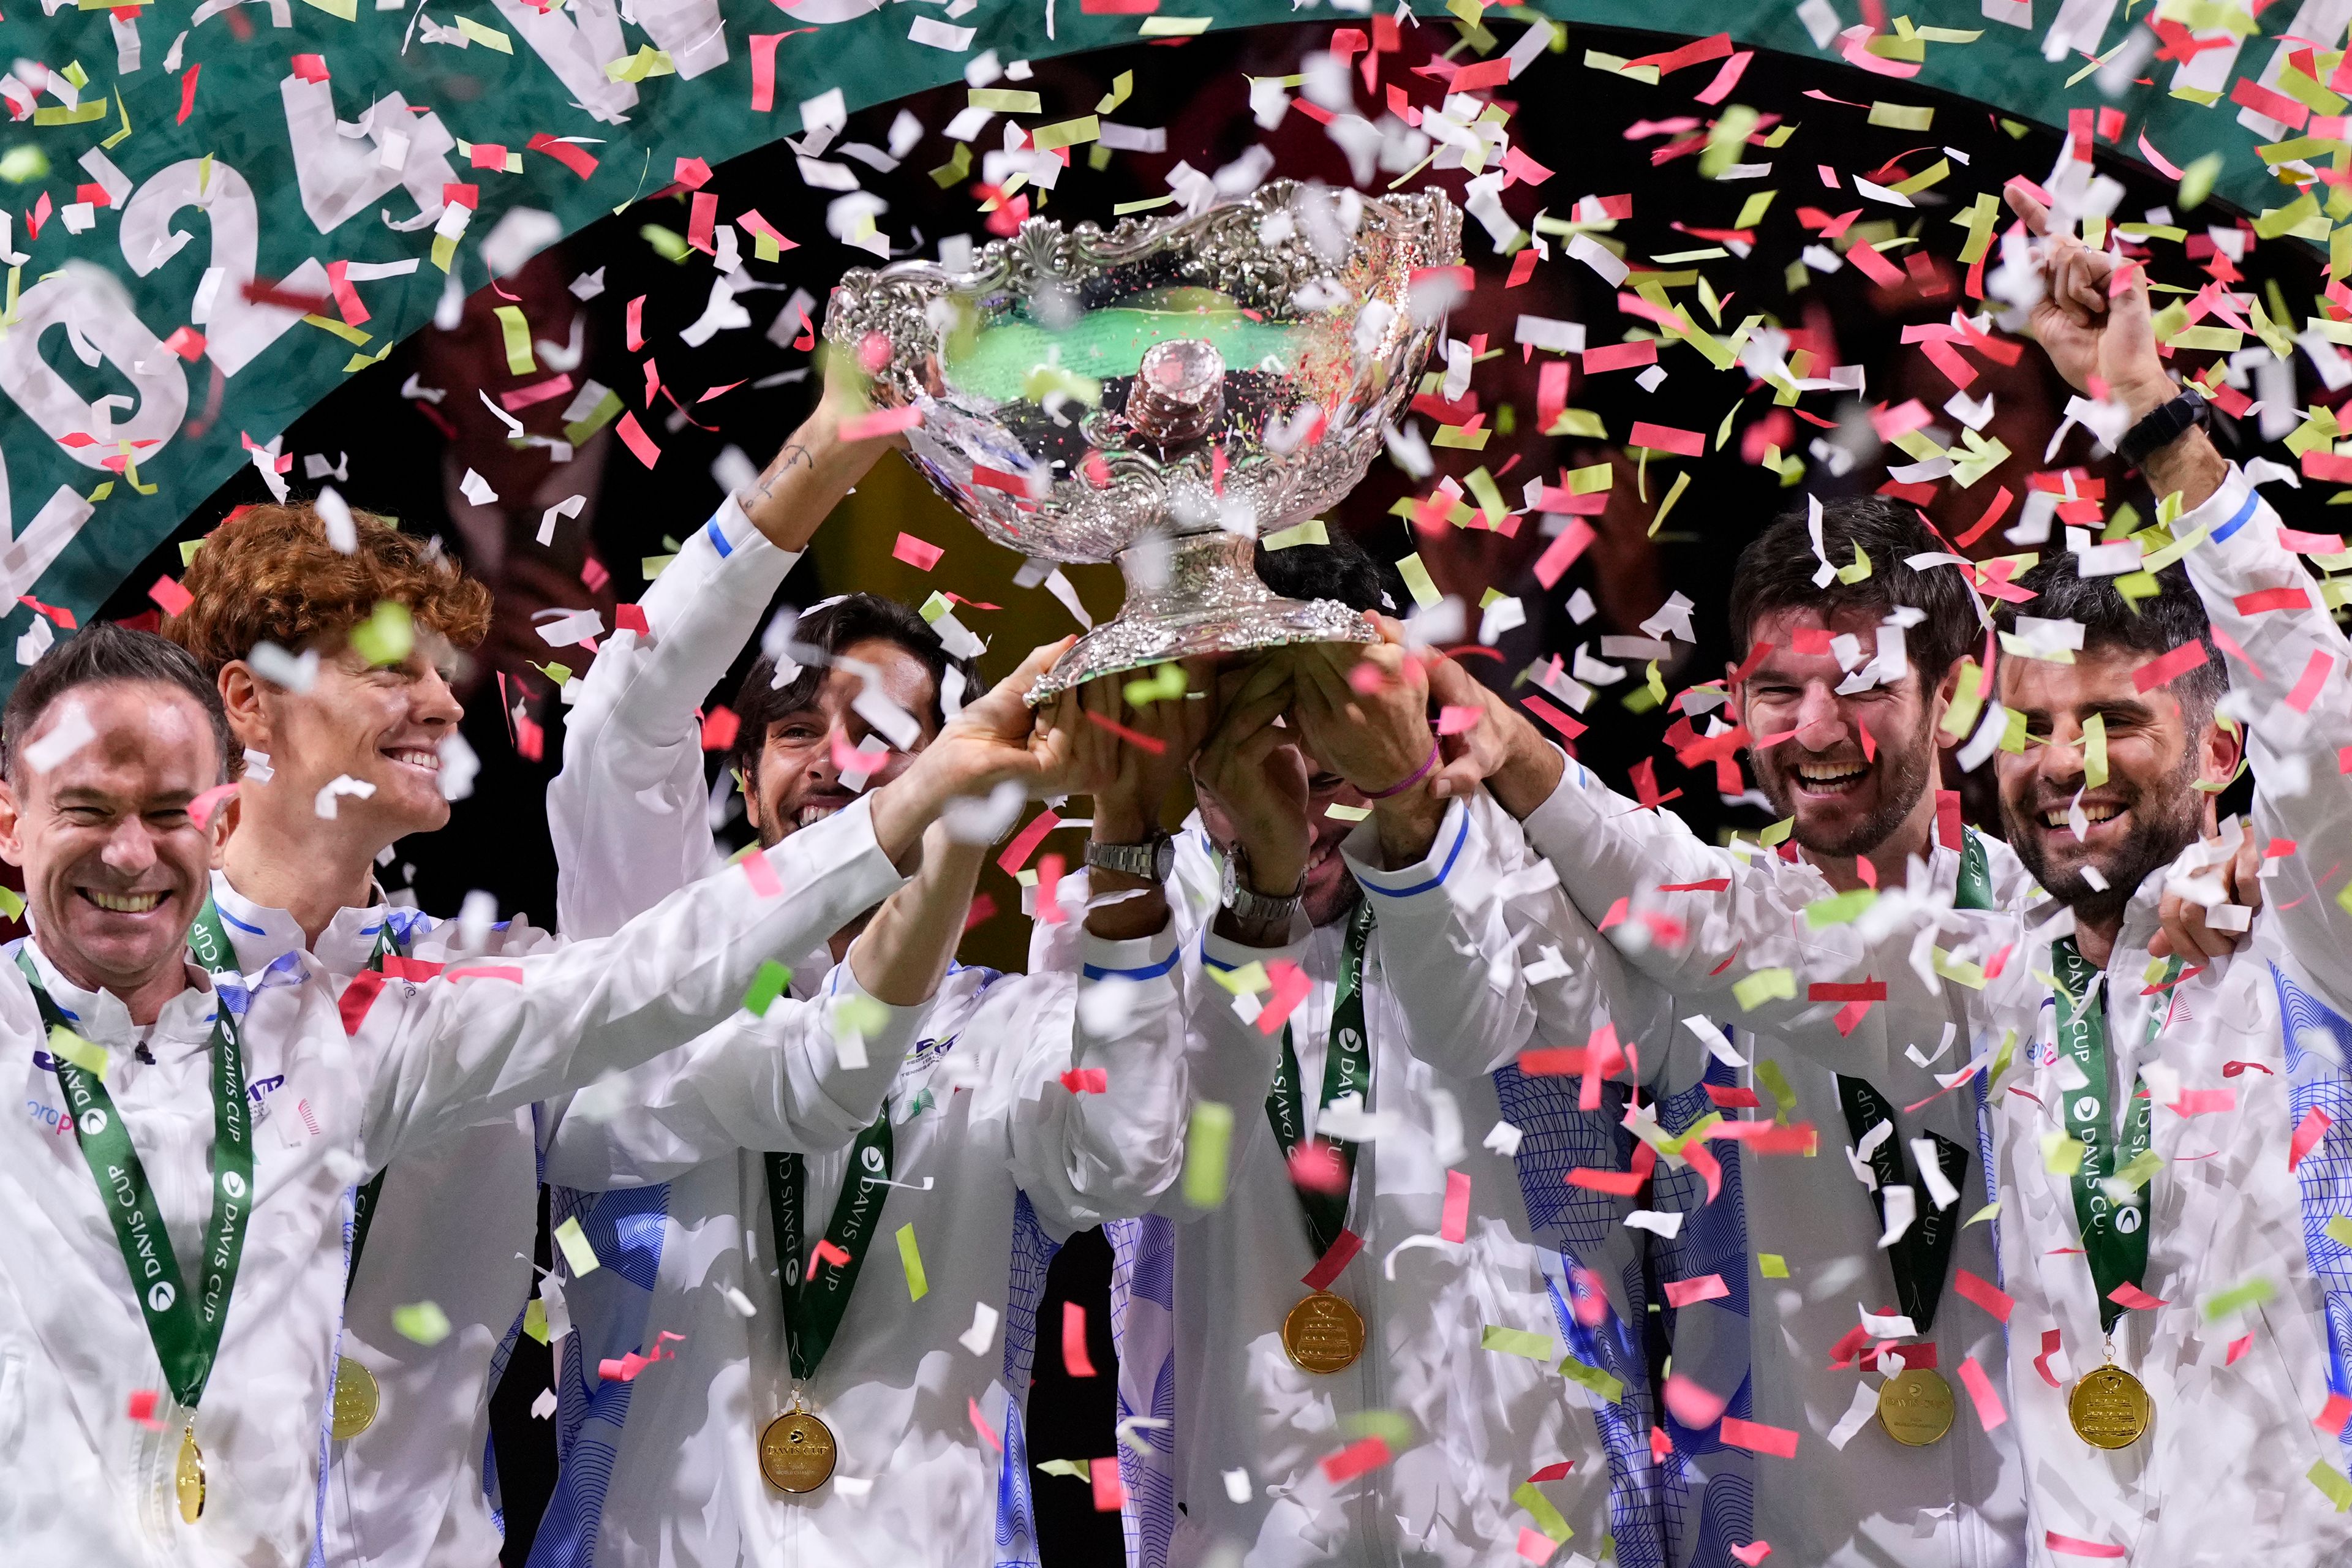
169	1409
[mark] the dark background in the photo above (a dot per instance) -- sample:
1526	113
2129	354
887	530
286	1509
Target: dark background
403	455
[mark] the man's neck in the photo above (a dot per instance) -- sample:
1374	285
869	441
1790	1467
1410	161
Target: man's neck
303	867
1892	860
143	998
2096	939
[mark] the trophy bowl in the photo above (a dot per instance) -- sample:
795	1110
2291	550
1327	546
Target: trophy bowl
1164	395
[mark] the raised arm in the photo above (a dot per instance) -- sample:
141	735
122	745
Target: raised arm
627	811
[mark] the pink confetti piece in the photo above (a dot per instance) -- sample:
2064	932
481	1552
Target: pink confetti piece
2311	544
1315	1165
634	437
143	1409
1557	1471
187	342
1989	1411
573	156
1716	92
1110	1494
1136	738
1562	551
980	1424
173	599
1758	1438
1985	1294
1024	843
1871	263
761	872
1075	1359
1456	719
2333	1414
1669	439
2238	1347
1454	1222
1291	988
2205	1102
720	725
1622	356
201	809
2073	1546
1681	1293
1534	1546
510	973
884	422
1364	1455
827	1252
188	94
1088	1081
2167	667
2307	1134
1623	1184
1693	1404
2131	1297
2315	675
1333	1263
1752	1554
1049	884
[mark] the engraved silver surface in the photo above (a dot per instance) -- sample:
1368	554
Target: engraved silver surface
1049	463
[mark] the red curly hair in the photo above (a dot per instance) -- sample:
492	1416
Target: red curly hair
268	574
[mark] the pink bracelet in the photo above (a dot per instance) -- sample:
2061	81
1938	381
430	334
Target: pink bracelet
1419	773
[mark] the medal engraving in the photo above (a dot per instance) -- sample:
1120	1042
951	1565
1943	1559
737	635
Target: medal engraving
797	1452
1916	1406
2109	1409
357	1400
1323	1333
188	1477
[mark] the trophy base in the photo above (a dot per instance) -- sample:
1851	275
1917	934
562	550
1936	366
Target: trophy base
1190	597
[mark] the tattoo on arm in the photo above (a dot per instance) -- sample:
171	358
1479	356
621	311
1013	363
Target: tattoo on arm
793	456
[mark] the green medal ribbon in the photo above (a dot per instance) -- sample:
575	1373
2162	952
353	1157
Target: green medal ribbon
816	1297
1346	1069
1922	1255
2115	1234
184	1327
1975	889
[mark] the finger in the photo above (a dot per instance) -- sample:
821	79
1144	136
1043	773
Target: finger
2032	213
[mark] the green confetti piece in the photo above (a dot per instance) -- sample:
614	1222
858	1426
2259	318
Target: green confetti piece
2061	1156
1547	1518
1075	1468
2238	1298
1902	116
1515	1342
534	1319
2340	1230
1766	985
1776	1083
488	37
607	409
22	165
766	986
517	340
652	566
11	904
1174	27
1772	1266
1207	1145
910	1259
67	1045
1247	981
1778	834
1752	210
424	1323
2140	1171
1005	101
1986	1213
1844	909
2332	1481
862	1014
2197	181
577	1253
1166	683
387	636
1388	1426
1066	133
1311	532
958	165
1338	813
1608	1388
667	243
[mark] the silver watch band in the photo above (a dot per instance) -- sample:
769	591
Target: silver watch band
1259	909
1147	859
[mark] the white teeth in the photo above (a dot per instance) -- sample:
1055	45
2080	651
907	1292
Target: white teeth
429	760
125	903
811	815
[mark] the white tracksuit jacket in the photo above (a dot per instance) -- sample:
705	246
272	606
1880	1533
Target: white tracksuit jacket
664	1168
2224	1475
86	1484
1768	1344
453	1226
1480	1422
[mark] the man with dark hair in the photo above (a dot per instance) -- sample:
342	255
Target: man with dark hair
1376	1228
817	1407
169	1375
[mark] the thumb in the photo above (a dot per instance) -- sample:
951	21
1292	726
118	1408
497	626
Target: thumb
2035	216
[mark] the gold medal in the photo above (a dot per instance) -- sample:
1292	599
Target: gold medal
797	1452
1323	1333
1916	1406
357	1400
188	1477
2110	1408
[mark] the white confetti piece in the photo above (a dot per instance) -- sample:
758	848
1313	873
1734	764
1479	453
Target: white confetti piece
983	1333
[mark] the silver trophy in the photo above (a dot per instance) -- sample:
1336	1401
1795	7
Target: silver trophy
1164	395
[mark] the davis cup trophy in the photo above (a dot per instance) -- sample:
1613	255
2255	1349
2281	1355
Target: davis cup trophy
1163	394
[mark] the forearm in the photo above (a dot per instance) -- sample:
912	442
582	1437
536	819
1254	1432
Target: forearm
1531	771
1407	824
906	949
2190	464
806	479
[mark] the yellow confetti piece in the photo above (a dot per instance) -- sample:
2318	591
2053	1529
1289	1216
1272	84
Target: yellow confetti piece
1338	813
1166	683
1776	1083
863	1014
607	409
1174	27
911	1259
1122	209
2094	750
1766	985
1839	909
488	37
1418	581
647	61
2332	1481
1066	133
1548	1518
2061	1154
67	1045
342	330
1207	1145
1462	437
1592	479
1967	699
1005	101
1753	208
57	114
1990	1211
349	11
1247	981
116	139
2340	1230
12	904
652	566
1609	1389
387	635
1902	116
534	1319
423	1321
577	1253
1515	1342
1076	1469
1311	532
1121	86
958	165
1778	833
2238	1298
1772	1266
516	331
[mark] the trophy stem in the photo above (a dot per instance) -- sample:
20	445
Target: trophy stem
1195	595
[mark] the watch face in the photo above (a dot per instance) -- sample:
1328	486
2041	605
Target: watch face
1164	859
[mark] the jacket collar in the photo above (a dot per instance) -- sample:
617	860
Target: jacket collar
263	936
100	1016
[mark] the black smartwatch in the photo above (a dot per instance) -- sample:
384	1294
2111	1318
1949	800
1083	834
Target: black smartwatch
2164	424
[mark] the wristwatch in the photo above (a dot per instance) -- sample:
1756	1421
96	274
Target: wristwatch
1257	909
2163	425
1154	859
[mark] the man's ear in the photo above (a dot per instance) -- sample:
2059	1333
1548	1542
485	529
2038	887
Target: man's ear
2220	750
11	838
1939	702
243	694
751	788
